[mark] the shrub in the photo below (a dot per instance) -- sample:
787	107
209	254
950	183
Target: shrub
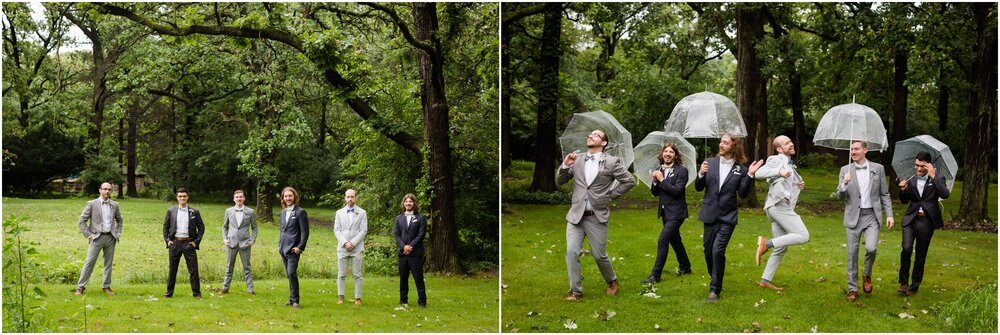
817	160
20	280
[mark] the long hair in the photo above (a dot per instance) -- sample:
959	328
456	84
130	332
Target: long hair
416	205
677	154
295	195
736	149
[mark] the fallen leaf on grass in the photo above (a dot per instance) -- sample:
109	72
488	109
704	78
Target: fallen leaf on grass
813	329
820	279
136	317
923	311
756	325
220	323
606	315
905	316
656	326
652	295
698	320
777	328
533	313
570	324
788	317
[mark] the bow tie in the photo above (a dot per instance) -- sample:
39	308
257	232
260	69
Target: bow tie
922	178
350	210
723	161
239	210
589	157
790	162
864	167
183	209
106	202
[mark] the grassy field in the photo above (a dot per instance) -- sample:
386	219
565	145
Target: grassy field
456	303
961	268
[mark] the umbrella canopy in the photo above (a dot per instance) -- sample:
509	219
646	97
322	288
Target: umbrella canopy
706	115
574	137
844	123
942	159
647	154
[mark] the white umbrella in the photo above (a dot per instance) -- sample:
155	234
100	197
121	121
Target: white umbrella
647	154
846	123
906	152
706	115
574	137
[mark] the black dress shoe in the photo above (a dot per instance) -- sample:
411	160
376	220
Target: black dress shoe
651	279
168	294
288	303
683	272
295	305
422	304
712	298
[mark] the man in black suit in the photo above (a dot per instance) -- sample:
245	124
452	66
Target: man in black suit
923	216
722	178
182	230
668	182
409	236
294	235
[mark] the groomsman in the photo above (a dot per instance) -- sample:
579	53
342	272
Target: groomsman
865	194
922	217
292	242
787	227
102	234
588	216
409	235
239	232
722	178
350	225
182	230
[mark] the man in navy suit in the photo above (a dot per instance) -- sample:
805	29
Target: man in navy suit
922	217
668	182
291	244
722	178
182	230
409	236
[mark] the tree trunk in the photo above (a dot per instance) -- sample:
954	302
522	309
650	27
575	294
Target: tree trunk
130	153
944	93
546	150
901	56
444	231
121	153
265	193
321	139
505	134
982	118
798	112
751	87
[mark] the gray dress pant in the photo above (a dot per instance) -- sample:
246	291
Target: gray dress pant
106	243
787	229
867	226
356	267
597	233
244	254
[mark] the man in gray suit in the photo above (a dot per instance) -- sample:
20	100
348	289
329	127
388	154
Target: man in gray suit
865	194
588	216
103	233
350	225
782	195
239	232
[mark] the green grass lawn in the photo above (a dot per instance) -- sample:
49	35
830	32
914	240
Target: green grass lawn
814	274
456	303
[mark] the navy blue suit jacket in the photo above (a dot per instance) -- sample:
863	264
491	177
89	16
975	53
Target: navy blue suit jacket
722	205
934	189
673	205
412	236
294	231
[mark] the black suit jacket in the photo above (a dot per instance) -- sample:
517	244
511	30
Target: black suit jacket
722	205
196	227
673	205
412	236
934	189
294	231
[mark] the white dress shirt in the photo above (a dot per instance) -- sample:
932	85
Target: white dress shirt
921	182
105	215
863	173
182	222
239	215
724	166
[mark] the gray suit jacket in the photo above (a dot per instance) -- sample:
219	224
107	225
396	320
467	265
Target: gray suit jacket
350	230
238	234
851	194
599	192
779	188
92	211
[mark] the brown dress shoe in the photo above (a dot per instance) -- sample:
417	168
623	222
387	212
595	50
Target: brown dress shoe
357	301
761	248
868	284
770	286
78	291
252	293
109	291
225	290
340	301
613	287
903	288
852	296
573	297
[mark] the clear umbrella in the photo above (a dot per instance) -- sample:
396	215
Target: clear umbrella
706	115
647	154
574	137
906	152
845	123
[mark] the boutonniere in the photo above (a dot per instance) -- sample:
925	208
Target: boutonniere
671	174
413	220
872	172
737	169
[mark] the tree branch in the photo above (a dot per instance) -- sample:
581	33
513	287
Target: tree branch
419	44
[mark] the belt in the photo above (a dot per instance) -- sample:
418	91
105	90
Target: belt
183	238
588	213
921	214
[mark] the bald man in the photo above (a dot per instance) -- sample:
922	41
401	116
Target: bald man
350	225
784	185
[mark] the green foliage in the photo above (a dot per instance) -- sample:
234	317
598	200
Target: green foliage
40	156
817	160
974	311
21	290
103	168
